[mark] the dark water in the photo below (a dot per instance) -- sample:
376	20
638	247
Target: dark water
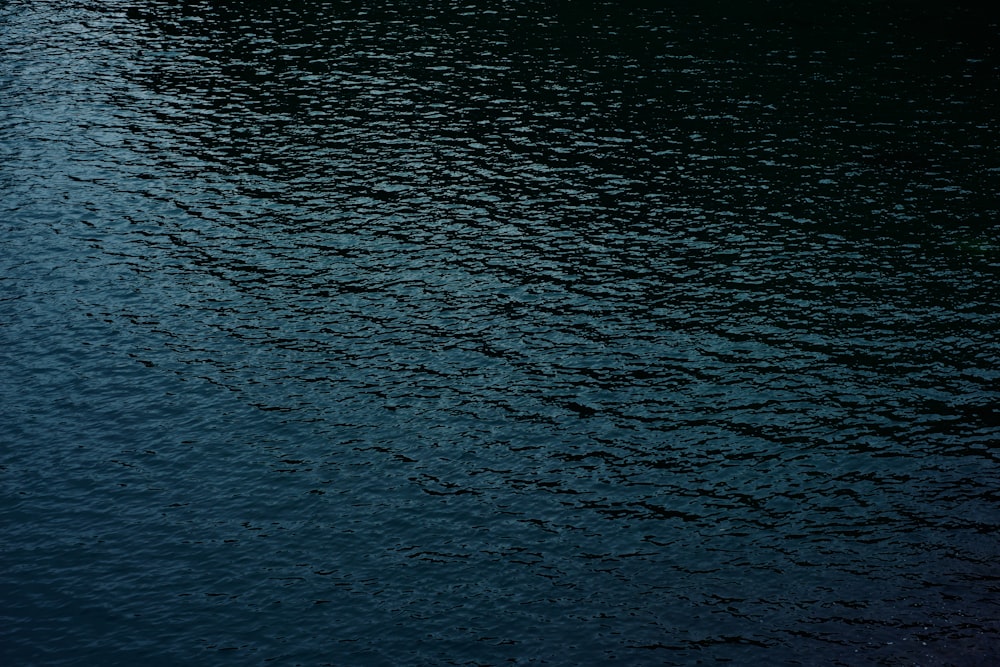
483	333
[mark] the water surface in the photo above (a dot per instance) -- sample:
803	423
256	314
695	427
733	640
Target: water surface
477	333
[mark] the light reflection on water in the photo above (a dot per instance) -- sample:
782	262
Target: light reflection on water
405	335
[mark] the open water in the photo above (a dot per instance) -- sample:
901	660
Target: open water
515	332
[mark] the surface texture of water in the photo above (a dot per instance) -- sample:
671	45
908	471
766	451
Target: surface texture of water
476	333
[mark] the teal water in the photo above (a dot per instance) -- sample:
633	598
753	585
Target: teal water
425	333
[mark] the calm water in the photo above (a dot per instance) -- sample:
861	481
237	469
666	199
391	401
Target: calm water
424	333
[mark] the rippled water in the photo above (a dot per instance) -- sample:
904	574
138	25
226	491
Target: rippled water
475	333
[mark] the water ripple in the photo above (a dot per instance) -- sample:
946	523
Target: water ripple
337	333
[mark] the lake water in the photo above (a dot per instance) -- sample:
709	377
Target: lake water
427	333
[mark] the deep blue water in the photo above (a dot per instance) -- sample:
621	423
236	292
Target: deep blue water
425	333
